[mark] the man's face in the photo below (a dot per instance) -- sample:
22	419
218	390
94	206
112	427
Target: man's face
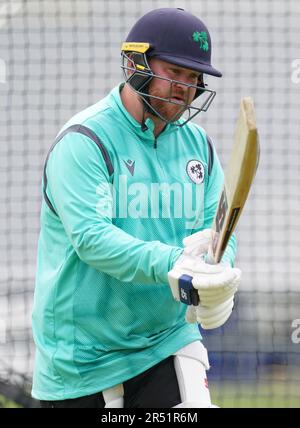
178	93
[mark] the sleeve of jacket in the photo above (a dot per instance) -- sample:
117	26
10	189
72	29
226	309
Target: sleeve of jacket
213	189
80	191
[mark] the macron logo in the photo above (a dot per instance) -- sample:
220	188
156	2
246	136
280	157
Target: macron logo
130	166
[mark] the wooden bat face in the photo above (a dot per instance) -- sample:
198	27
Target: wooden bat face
239	176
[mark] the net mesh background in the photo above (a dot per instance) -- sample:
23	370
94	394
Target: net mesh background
57	57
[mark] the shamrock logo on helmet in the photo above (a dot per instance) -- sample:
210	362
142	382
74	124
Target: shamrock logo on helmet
202	39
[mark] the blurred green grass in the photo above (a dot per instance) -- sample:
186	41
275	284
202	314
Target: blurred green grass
5	403
277	394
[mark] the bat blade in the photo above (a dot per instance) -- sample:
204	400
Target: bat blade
239	176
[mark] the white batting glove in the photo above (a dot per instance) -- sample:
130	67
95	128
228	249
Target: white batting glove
195	248
198	243
208	289
208	317
193	281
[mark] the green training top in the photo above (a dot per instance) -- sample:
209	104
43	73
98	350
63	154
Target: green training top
117	204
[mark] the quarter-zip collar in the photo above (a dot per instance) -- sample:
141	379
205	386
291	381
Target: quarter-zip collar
146	136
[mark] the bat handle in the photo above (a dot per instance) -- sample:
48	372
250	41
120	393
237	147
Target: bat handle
210	256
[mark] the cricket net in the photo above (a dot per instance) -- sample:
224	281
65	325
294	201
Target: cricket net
59	56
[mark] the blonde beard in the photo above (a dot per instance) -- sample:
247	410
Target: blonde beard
169	111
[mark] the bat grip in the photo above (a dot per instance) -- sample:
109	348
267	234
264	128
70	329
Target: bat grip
210	257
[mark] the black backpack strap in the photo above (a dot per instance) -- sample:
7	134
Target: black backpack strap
88	133
210	154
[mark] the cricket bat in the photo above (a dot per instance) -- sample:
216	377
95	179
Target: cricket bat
239	176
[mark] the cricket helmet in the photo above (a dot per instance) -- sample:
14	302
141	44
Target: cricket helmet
175	36
172	35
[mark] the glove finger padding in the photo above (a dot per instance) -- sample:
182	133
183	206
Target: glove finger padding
220	278
214	284
197	243
210	298
215	317
222	287
215	300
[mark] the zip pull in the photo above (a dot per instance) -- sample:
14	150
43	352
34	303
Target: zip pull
155	143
